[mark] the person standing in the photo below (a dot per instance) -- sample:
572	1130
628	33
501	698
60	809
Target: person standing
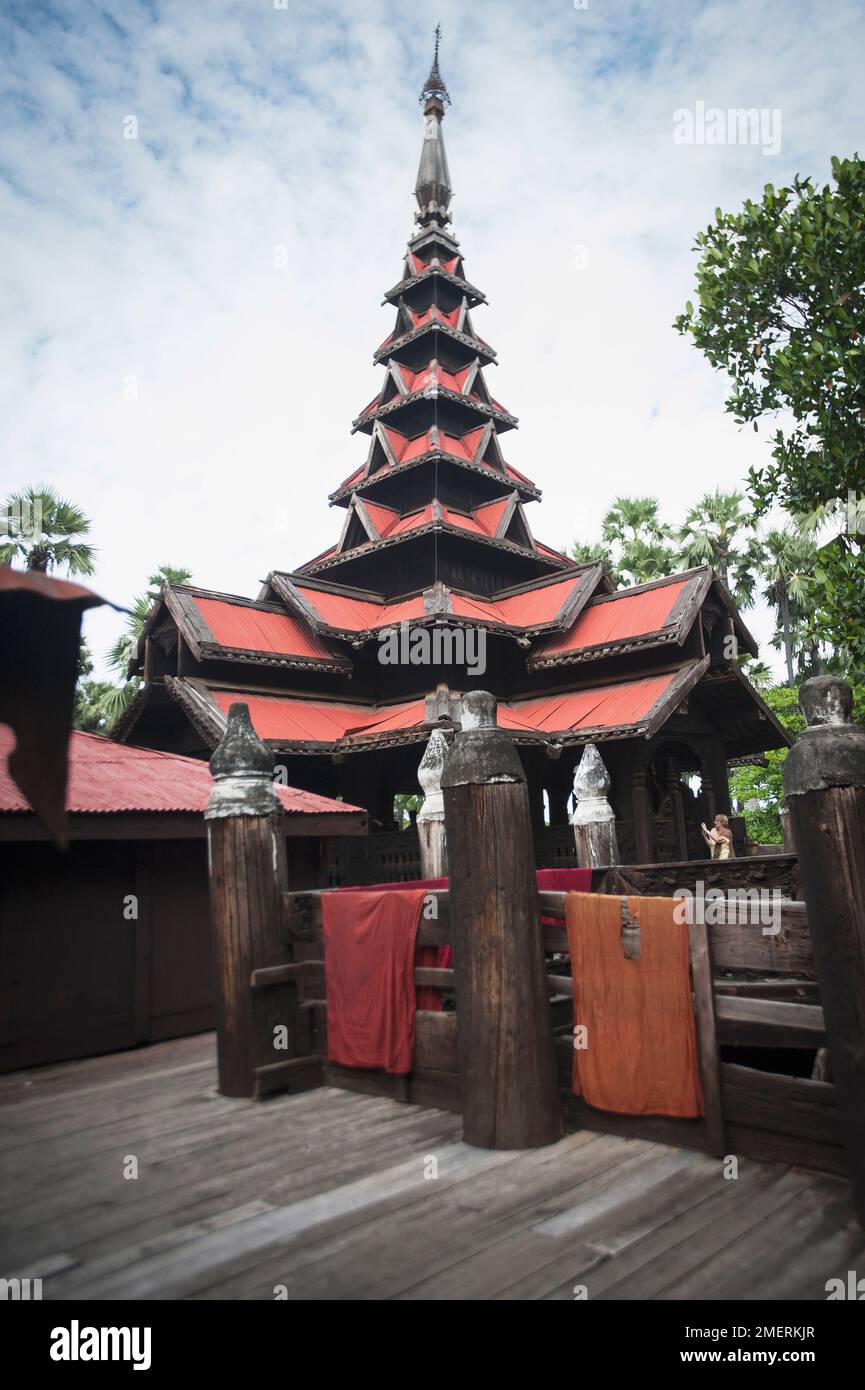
719	838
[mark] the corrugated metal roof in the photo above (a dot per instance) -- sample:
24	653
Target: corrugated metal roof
255	629
112	778
287	720
356	614
284	719
608	706
540	605
619	618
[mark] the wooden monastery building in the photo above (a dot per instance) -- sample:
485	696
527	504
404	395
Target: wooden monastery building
108	944
436	535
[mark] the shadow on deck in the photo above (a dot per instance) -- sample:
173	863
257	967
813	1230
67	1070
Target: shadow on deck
328	1195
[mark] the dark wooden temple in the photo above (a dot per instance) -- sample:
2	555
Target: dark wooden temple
436	538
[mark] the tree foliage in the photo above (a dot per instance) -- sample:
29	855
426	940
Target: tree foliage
44	530
758	791
781	306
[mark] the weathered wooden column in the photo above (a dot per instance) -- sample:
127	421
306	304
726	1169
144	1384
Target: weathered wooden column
245	856
824	788
594	820
508	1080
642	814
431	817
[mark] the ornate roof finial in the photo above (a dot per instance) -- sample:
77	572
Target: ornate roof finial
435	94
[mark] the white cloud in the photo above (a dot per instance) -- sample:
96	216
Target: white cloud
259	128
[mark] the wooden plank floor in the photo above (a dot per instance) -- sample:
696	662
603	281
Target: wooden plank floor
329	1194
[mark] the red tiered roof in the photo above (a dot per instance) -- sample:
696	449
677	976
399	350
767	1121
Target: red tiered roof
346	614
239	626
625	705
283	719
617	618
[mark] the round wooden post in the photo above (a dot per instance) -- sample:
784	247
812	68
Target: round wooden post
245	858
431	817
508	1080
824	787
594	820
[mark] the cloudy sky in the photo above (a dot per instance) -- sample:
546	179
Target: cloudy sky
196	400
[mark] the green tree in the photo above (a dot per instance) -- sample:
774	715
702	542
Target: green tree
88	713
719	531
123	651
43	529
634	543
632	519
758	791
781	290
584	552
640	561
786	562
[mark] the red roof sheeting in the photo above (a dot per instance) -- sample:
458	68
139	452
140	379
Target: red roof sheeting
255	629
618	618
607	706
113	778
287	720
284	719
358	615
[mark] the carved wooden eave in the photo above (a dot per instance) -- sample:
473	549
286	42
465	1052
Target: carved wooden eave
470	340
461	285
732	675
373	412
429	528
528	491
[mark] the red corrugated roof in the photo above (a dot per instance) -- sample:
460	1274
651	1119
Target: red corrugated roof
618	618
490	515
607	707
255	629
287	720
358	615
538	606
112	778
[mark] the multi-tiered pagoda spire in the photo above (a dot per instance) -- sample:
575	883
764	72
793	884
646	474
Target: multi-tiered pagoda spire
435	487
436	541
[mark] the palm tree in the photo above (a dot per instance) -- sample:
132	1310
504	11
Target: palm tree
124	650
711	534
641	560
584	552
786	561
632	519
42	529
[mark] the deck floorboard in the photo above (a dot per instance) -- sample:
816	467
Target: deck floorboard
329	1195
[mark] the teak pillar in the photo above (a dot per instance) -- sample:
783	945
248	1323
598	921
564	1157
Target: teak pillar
245	856
824	787
508	1079
431	817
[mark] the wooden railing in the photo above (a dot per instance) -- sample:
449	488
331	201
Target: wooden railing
763	1114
